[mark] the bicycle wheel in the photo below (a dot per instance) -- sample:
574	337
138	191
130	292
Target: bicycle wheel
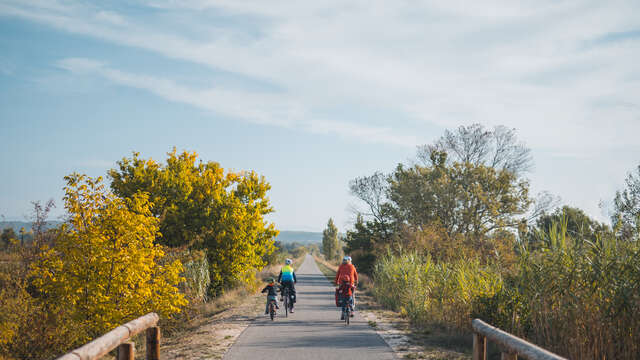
272	311
286	302
347	315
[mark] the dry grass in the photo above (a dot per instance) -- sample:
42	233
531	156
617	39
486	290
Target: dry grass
196	314
574	297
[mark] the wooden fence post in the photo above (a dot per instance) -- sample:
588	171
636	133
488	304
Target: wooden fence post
126	351
479	347
153	343
511	346
115	339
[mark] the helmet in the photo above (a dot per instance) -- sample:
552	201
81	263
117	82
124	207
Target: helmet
346	258
271	280
288	261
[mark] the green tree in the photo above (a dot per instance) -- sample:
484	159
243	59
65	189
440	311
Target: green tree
463	198
626	216
330	240
579	225
361	244
373	192
8	237
202	206
104	265
467	189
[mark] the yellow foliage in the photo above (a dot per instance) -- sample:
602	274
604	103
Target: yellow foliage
104	265
203	207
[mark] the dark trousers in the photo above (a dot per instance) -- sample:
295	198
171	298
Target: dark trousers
347	300
269	298
292	289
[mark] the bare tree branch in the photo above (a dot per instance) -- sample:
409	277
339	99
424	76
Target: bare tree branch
498	148
372	190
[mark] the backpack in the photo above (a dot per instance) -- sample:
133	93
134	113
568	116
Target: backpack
344	291
340	294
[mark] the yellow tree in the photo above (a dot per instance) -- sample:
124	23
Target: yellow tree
104	264
237	236
201	205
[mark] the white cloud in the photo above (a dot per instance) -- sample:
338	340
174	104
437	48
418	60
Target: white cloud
539	66
269	109
80	65
365	133
110	17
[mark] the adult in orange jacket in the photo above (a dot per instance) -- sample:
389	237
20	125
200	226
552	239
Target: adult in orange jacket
347	268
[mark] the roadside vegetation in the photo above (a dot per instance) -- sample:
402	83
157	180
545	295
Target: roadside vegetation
456	235
184	238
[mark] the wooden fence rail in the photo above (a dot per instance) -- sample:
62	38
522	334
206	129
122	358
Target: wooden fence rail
511	346
118	338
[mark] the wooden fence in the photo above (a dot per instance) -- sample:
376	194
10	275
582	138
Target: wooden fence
118	338
511	346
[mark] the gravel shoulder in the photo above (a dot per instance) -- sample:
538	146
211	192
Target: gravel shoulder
212	337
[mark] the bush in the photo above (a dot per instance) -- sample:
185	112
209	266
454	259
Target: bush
31	328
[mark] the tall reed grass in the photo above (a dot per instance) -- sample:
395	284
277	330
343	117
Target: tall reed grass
575	297
430	292
582	297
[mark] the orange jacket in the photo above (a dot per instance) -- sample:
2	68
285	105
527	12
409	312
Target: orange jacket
347	269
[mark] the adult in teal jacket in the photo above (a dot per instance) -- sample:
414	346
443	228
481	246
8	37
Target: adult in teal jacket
287	279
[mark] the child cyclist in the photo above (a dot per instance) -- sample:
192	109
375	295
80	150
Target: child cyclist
271	289
345	293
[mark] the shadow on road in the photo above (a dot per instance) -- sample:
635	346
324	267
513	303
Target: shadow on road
345	340
319	292
312	280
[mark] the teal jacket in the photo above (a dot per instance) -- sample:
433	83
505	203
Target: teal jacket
287	274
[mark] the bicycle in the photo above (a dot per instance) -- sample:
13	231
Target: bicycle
288	304
346	311
348	302
272	309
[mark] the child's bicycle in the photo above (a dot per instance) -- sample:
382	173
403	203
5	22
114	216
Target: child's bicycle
272	308
346	311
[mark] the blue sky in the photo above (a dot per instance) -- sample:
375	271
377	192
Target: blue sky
313	94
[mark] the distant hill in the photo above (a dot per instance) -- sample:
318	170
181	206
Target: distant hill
16	225
303	237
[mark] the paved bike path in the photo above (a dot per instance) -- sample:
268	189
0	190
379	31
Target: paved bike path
314	331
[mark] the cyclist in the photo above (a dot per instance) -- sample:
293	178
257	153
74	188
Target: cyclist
287	279
347	269
271	291
345	293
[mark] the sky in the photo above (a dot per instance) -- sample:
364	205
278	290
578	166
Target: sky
314	94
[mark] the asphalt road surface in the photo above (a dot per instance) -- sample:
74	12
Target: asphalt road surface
314	331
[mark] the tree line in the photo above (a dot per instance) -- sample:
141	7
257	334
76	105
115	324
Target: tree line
159	236
456	234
